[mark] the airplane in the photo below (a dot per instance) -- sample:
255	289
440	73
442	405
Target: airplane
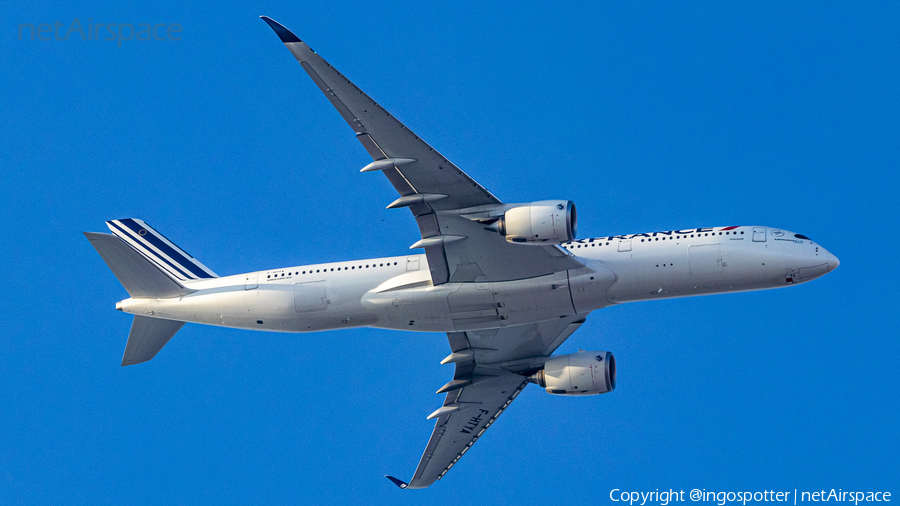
507	283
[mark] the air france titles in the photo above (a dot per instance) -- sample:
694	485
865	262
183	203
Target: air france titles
669	233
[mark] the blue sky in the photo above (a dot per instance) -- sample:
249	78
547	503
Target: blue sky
648	116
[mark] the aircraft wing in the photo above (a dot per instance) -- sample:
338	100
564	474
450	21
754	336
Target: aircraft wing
433	188
491	370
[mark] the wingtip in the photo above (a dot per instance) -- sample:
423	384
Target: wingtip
283	33
400	483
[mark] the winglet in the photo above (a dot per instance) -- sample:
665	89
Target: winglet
283	33
399	483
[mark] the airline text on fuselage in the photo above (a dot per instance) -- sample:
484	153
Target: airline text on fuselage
655	234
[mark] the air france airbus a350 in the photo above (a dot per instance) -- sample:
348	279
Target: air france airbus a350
508	283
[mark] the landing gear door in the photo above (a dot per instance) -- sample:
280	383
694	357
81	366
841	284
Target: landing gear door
250	281
759	234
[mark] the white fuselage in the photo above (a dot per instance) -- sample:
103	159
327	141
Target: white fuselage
397	292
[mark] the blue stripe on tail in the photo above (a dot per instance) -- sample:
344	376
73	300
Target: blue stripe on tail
180	257
179	262
165	263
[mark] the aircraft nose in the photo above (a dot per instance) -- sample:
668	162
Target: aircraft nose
833	262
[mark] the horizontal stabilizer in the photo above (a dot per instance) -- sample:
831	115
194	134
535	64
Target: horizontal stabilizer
142	279
147	337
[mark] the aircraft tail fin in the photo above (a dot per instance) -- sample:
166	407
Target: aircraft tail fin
147	337
140	277
136	262
171	259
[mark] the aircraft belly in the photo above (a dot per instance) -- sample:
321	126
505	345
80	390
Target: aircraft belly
589	286
305	307
532	300
454	307
418	309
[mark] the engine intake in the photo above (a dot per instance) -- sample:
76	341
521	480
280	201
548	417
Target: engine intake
544	222
582	373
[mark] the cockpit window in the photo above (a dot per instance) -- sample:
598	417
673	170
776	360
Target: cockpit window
801	236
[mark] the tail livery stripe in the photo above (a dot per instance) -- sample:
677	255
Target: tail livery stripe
163	249
158	249
164	263
183	259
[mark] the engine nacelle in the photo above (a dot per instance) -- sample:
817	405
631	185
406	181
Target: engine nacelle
545	222
582	373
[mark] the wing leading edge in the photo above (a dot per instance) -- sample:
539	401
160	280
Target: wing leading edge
411	165
449	206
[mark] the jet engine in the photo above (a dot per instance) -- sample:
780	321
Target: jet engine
538	223
582	373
